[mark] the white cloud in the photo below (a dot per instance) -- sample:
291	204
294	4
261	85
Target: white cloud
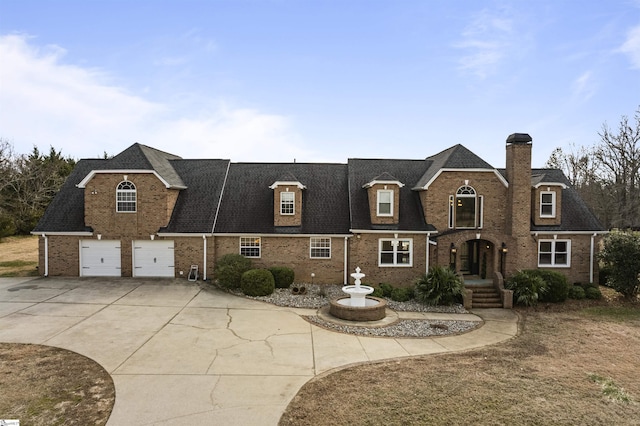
583	86
47	102
486	41
631	47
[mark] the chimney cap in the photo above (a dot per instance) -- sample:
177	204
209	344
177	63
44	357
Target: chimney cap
522	138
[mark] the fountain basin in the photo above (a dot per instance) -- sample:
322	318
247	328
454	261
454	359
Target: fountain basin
357	294
373	309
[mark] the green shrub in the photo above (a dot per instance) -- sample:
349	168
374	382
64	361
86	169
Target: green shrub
588	285
593	293
527	287
377	292
283	276
441	286
603	274
621	253
387	289
257	282
557	286
229	269
402	294
576	292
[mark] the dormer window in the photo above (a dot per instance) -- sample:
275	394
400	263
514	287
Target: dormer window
547	204
385	202
465	208
287	203
126	197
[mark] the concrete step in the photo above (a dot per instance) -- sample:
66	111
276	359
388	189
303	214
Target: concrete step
486	305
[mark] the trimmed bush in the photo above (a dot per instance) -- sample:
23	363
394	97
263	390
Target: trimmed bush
527	287
621	253
441	286
387	289
257	282
283	276
229	269
593	293
557	286
402	294
377	292
576	292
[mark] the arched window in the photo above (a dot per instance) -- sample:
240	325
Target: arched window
126	197
465	208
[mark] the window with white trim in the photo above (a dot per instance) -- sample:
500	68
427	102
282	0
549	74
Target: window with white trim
395	252
547	204
320	248
287	203
250	246
466	209
385	202
554	253
126	197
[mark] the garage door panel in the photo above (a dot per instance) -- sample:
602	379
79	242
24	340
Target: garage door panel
100	258
153	258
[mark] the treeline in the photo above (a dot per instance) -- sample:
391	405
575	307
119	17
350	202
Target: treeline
607	174
28	183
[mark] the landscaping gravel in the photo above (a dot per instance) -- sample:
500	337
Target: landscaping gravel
316	296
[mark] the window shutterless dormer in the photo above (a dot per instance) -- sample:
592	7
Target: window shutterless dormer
384	199
287	202
546	203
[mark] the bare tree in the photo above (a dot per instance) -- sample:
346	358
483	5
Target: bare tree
607	175
618	159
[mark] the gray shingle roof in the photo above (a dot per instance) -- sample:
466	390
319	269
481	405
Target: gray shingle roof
333	203
139	156
575	214
361	172
66	211
247	202
456	157
196	206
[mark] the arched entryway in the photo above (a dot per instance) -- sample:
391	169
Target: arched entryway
477	258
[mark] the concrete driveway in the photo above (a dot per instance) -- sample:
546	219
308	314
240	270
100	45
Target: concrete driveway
180	354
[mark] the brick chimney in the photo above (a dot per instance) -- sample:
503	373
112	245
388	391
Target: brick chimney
519	178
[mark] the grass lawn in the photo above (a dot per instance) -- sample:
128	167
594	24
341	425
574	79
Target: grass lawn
19	256
572	363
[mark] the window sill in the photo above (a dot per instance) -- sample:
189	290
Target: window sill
395	266
554	266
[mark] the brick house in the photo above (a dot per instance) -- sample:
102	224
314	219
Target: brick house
149	213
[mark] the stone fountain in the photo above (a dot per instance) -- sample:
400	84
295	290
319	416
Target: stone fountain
357	306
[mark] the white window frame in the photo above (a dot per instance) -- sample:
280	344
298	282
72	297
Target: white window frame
318	245
553	204
288	207
250	244
126	197
379	202
554	253
395	252
478	206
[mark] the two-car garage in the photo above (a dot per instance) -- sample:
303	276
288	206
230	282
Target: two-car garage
102	258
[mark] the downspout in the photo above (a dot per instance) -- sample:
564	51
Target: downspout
46	255
345	261
426	271
204	260
591	258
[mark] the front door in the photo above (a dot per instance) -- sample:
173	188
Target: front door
470	257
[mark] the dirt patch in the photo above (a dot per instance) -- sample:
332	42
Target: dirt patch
19	256
41	385
553	373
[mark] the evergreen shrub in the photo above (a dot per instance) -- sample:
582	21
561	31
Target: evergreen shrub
283	276
257	282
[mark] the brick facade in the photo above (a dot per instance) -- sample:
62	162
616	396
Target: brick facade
503	241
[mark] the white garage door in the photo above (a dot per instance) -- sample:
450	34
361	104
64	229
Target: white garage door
100	258
153	258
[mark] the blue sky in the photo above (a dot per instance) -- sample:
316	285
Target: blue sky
314	80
